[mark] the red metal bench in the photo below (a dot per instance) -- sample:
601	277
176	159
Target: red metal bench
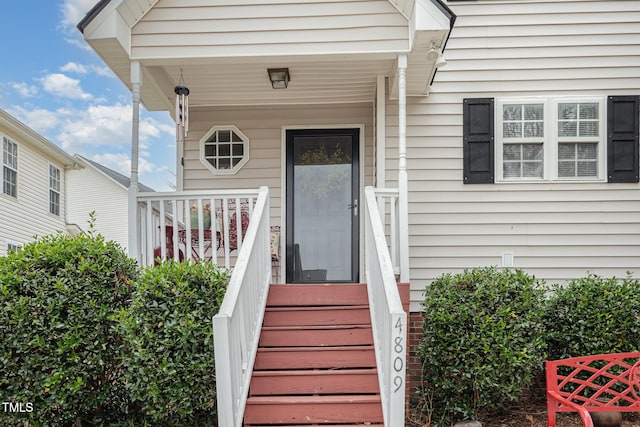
600	383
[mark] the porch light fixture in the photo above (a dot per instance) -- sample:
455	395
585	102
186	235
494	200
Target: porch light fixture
279	77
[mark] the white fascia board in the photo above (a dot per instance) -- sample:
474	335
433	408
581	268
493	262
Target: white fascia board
427	17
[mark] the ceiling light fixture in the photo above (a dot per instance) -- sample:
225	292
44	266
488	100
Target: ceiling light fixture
279	77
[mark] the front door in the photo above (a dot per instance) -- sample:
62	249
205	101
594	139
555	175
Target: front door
322	205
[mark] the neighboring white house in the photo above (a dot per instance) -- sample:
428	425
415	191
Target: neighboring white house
97	188
522	151
33	197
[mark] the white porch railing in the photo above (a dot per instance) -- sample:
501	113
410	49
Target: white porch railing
237	325
196	225
388	207
388	318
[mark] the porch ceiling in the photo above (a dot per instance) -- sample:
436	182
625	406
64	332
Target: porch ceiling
220	83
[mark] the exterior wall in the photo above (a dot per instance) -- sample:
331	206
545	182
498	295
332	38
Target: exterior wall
556	231
263	126
251	28
28	215
90	190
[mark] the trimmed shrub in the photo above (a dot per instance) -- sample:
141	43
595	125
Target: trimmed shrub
169	359
593	315
482	342
59	348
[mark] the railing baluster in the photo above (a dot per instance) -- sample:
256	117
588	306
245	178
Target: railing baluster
150	233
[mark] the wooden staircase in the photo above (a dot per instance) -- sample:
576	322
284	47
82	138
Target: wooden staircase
315	363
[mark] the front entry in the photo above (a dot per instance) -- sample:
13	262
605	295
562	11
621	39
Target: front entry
322	188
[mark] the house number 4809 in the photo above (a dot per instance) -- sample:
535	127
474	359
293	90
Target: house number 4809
398	363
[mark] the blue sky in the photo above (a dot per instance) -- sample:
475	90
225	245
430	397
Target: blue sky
54	83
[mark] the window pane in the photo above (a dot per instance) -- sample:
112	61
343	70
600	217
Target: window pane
209	150
566	151
512	152
589	111
589	129
567	111
588	151
512	130
533	112
224	136
9	181
532	151
512	170
533	129
238	150
512	112
532	169
567	129
566	169
236	160
224	163
235	137
54	202
589	168
224	150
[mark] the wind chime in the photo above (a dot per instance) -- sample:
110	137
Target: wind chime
182	109
182	126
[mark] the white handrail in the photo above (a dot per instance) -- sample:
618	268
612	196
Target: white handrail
388	205
237	325
388	318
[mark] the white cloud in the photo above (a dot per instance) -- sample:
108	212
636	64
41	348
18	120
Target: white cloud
24	89
72	67
103	70
64	86
74	10
39	119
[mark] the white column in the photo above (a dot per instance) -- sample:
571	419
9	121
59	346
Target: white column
403	190
381	136
136	84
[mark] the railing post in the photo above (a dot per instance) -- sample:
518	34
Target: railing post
136	84
224	382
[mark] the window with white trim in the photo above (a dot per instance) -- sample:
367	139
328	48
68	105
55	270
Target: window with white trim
9	167
12	247
54	190
571	139
224	150
550	139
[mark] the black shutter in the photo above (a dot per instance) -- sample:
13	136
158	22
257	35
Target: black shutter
622	138
478	140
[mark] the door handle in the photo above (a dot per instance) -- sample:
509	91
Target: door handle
354	207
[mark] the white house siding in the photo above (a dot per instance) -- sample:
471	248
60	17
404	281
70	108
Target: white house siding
241	28
91	190
556	231
28	215
263	127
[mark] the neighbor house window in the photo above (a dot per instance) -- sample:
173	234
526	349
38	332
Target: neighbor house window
12	247
54	190
224	150
9	167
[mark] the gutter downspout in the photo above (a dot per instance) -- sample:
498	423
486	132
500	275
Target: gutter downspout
136	84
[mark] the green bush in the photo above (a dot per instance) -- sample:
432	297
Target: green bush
482	342
594	315
59	348
169	358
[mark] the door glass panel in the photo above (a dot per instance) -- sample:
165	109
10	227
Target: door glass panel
322	208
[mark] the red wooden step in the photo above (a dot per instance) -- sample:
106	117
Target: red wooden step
309	336
325	315
354	381
291	295
315	358
313	409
